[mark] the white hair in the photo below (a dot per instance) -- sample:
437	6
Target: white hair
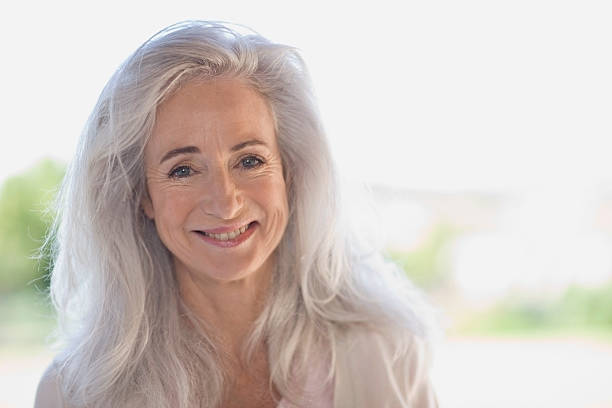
125	337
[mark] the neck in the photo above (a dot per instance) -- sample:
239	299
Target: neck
229	308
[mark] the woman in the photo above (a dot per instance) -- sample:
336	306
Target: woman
200	260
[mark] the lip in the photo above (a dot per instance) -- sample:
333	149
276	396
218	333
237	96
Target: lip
230	243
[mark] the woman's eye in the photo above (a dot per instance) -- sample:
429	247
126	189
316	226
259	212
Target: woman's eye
251	162
180	172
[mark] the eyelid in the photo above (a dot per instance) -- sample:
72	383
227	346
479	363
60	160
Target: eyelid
171	173
251	155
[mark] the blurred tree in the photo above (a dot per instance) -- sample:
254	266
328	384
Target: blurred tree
24	220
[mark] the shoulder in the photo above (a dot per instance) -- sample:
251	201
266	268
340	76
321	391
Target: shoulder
48	393
379	369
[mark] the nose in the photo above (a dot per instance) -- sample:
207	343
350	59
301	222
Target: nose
222	198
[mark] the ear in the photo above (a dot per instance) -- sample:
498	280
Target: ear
147	206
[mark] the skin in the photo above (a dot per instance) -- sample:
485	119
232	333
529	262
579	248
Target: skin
230	175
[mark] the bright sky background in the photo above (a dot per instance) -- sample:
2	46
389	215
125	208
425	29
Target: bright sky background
434	95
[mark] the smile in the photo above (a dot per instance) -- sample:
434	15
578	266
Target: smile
226	235
229	238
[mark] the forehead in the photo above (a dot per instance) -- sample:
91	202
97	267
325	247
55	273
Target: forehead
212	111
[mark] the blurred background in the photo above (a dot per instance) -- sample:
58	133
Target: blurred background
480	130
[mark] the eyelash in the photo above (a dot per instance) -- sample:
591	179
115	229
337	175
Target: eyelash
251	157
174	172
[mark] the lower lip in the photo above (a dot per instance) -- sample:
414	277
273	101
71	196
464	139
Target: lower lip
230	243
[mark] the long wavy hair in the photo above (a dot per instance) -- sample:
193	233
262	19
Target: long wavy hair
126	336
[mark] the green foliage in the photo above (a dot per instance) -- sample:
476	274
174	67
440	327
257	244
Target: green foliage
427	265
27	320
578	309
587	307
24	221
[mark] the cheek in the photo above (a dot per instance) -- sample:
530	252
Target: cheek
273	197
172	208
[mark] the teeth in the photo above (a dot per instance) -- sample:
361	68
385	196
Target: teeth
227	235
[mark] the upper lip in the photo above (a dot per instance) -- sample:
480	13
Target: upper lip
222	229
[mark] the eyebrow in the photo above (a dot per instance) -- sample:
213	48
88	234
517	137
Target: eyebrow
252	142
180	150
193	149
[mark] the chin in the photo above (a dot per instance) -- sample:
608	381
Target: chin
222	272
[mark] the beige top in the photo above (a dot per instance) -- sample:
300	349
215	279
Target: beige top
368	374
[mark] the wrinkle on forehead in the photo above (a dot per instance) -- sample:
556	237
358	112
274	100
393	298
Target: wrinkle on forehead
188	118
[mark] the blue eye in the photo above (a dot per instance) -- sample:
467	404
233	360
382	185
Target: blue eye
180	172
251	162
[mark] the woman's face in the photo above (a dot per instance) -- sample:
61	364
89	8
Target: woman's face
215	180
